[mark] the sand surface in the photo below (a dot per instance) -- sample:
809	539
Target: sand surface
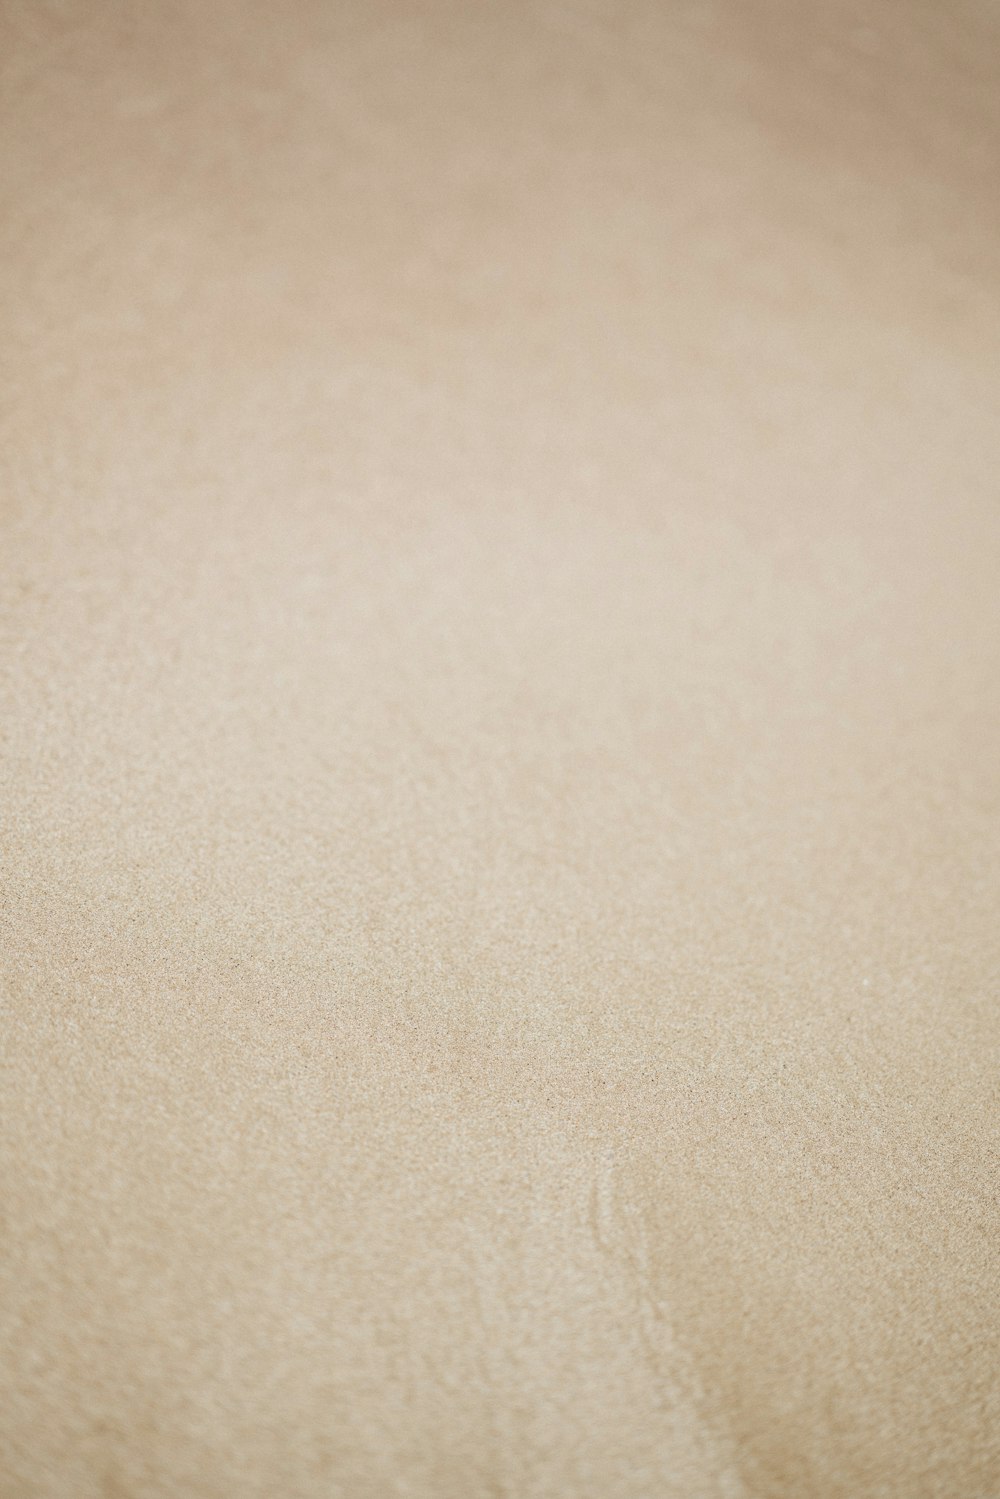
499	685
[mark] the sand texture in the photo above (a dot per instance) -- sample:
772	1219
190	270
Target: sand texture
499	750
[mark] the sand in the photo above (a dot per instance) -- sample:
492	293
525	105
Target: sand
499	685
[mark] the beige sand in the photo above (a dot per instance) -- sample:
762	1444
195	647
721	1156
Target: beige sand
500	633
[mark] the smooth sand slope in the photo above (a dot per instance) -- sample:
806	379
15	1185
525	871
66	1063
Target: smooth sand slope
500	814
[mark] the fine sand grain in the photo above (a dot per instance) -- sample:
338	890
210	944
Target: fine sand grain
499	792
